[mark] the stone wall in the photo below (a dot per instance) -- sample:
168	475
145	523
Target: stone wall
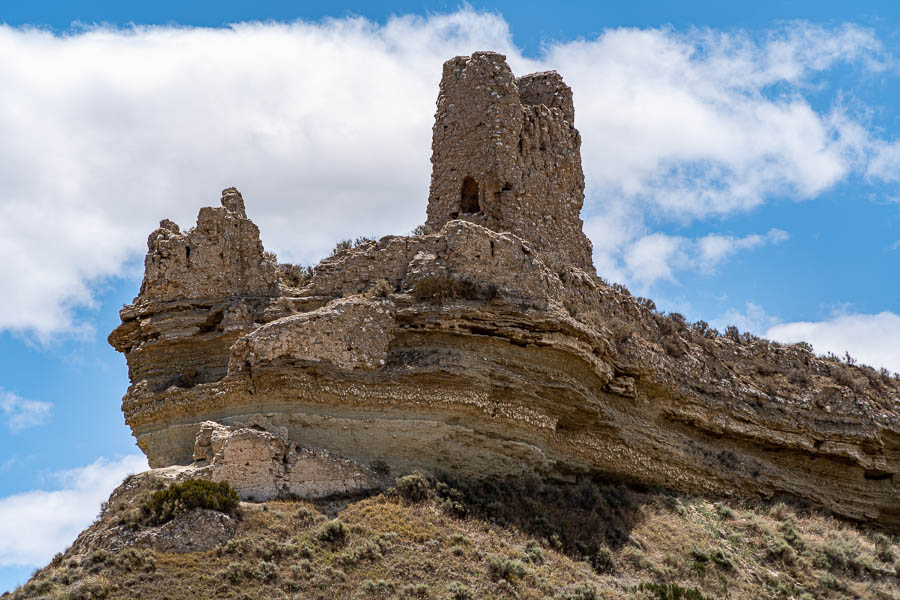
506	155
221	256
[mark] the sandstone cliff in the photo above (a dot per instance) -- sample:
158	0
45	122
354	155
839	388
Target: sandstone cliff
485	347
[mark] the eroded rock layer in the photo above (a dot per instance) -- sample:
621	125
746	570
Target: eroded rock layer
486	347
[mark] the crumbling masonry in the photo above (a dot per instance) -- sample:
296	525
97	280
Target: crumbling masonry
487	347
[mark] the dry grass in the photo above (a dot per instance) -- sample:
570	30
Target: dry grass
461	541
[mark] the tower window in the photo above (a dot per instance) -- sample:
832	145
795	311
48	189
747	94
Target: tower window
468	197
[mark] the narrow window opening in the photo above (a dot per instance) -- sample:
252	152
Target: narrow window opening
187	252
468	197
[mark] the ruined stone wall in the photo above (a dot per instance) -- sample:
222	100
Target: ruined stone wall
506	155
221	256
486	348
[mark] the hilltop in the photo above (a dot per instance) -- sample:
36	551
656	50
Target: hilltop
482	413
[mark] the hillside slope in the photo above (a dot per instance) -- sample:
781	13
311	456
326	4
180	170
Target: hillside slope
452	540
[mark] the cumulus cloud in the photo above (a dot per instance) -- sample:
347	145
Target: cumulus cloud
753	319
658	256
870	339
38	524
686	126
107	131
20	413
713	249
650	258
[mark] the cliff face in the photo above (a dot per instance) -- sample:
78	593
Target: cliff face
487	347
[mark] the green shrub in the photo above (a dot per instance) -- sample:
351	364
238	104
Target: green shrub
413	487
841	553
505	568
724	511
234	572
136	559
98	557
302	569
721	559
791	536
365	551
264	571
779	548
380	588
670	591
602	561
182	497
699	555
333	532
458	591
583	591
533	553
414	590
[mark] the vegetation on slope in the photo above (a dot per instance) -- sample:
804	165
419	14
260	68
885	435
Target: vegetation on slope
458	541
164	505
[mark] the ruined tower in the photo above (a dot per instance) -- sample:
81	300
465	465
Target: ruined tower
506	155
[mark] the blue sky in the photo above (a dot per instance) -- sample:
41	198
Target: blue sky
742	166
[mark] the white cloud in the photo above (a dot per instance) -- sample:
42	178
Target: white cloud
107	131
20	413
885	163
650	258
753	319
713	249
38	524
692	123
657	256
687	126
870	339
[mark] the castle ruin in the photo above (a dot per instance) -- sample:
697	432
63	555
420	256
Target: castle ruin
506	155
486	347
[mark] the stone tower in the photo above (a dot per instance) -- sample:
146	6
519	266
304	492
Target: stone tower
506	155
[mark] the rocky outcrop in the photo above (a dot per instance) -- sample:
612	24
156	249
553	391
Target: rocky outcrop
486	347
262	465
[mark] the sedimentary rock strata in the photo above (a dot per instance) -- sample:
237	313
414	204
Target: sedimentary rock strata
485	347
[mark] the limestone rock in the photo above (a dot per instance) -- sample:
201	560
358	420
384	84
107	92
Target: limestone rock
197	530
486	348
221	255
261	465
350	333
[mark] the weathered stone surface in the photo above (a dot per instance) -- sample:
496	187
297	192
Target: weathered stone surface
193	531
262	465
197	530
506	155
221	256
349	333
486	348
